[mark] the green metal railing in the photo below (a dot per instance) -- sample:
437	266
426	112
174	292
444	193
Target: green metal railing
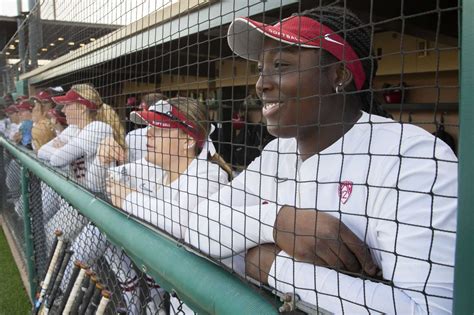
464	271
204	286
29	253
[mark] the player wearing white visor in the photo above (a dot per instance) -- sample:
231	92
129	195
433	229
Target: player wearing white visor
94	121
178	143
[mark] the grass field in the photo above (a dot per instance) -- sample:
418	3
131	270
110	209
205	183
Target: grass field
13	297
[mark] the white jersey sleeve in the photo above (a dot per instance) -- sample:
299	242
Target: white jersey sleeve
234	219
48	149
339	293
4	125
169	210
96	175
414	222
136	143
85	144
14	128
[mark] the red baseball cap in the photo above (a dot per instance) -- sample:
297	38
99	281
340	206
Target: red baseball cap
42	96
246	39
11	109
74	97
131	101
163	115
60	117
20	98
25	105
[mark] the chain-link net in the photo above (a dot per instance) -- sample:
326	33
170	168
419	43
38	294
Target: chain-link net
132	291
307	147
12	207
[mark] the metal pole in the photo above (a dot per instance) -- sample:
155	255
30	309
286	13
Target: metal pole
21	38
3	192
464	271
29	254
8	79
35	33
54	10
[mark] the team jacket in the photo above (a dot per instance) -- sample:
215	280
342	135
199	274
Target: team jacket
394	185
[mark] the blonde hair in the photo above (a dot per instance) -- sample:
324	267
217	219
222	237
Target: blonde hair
105	113
44	106
197	113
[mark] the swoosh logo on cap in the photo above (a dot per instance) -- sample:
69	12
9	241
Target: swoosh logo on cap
329	39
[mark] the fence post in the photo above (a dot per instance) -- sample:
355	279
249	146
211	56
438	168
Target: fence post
29	254
3	190
464	271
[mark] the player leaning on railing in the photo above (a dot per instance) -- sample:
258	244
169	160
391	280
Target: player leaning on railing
136	139
43	130
95	121
338	168
342	189
140	175
179	144
13	121
51	201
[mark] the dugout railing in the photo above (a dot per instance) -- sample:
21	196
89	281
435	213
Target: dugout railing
204	286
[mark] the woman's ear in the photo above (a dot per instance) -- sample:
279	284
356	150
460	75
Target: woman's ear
188	143
343	78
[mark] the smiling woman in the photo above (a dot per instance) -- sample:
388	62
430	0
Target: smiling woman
360	193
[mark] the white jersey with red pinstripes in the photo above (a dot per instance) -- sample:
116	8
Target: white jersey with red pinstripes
394	185
80	151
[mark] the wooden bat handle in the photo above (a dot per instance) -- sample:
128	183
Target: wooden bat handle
103	302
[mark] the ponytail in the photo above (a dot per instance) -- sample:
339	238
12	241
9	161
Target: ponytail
217	159
108	115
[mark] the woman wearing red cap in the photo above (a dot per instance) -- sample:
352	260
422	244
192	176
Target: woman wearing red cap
94	121
63	132
57	119
85	109
136	139
179	144
43	130
110	152
139	175
338	176
50	123
23	136
4	120
14	126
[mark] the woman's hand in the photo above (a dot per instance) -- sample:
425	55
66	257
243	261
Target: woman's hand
110	151
117	192
259	260
57	143
319	238
17	137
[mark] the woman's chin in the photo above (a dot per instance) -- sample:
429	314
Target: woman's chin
282	131
154	159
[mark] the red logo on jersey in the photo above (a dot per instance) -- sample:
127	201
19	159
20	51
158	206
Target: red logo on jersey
345	190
